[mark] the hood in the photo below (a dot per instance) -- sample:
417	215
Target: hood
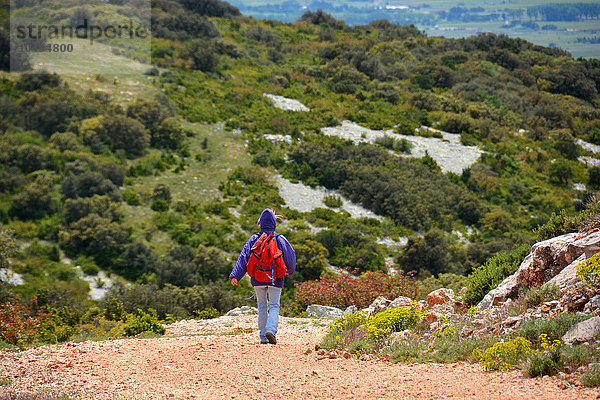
267	221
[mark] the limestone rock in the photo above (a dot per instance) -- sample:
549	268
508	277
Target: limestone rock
546	260
440	296
378	305
583	331
326	312
401	301
244	310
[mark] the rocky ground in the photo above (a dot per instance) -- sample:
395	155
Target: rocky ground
222	359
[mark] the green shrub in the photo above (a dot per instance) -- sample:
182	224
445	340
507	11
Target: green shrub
99	329
333	201
591	376
207	313
90	268
537	296
159	205
559	224
131	198
493	272
143	322
447	280
588	271
543	363
389	142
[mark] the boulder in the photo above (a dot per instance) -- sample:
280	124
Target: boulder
325	312
440	296
401	301
583	331
244	310
546	260
378	305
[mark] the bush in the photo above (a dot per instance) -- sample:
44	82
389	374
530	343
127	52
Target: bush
207	313
392	143
493	272
19	323
333	201
346	290
588	271
559	224
542	363
159	205
503	355
447	280
391	320
143	322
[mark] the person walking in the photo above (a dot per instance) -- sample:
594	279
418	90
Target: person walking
267	257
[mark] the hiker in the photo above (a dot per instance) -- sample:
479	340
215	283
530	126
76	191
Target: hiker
267	257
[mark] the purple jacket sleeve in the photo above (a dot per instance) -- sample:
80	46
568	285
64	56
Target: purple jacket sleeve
239	269
289	255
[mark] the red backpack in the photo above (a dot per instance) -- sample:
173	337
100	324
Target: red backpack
265	263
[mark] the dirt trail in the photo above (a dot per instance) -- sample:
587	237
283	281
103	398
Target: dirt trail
205	363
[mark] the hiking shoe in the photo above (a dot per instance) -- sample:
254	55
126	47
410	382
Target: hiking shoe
266	342
271	338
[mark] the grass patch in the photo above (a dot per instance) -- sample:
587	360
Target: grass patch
554	328
5	381
591	377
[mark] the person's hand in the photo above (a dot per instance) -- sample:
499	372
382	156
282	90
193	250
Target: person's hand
234	281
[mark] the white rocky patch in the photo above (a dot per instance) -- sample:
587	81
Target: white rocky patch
447	152
579	186
286	104
99	284
279	138
11	277
388	241
594	148
589	161
304	198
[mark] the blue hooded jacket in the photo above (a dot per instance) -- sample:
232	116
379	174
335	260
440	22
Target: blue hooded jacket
267	225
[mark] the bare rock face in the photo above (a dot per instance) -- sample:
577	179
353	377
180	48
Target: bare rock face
440	296
567	278
546	260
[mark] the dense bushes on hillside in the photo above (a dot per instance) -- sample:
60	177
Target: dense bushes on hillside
405	190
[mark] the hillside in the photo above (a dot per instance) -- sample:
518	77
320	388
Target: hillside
385	150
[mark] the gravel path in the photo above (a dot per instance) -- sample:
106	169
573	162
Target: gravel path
215	365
